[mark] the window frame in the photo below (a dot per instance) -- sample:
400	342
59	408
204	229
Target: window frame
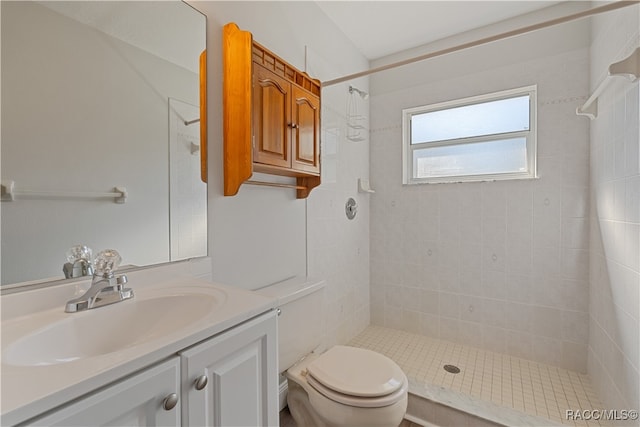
530	136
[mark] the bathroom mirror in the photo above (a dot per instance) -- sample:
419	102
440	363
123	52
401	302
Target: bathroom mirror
100	100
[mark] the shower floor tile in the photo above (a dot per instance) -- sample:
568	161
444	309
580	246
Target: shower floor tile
529	387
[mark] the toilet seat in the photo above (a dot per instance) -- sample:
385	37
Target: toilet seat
359	402
357	377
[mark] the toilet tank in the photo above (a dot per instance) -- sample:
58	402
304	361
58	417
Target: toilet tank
301	320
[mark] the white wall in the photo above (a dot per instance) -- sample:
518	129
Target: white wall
264	235
498	265
614	332
62	130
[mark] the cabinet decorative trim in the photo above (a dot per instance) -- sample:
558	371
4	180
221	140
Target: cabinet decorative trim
236	104
269	60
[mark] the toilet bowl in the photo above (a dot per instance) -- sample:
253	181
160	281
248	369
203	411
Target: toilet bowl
342	386
347	386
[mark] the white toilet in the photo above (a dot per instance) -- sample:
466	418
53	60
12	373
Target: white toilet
343	386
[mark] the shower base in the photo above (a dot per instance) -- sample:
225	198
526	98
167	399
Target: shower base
490	389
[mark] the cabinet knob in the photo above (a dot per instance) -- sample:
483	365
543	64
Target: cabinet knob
170	402
201	382
293	125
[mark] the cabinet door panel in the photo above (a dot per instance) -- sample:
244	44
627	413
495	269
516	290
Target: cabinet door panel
241	369
135	401
306	136
271	112
232	375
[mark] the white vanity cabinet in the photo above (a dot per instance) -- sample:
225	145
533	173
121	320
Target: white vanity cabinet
138	400
232	379
241	387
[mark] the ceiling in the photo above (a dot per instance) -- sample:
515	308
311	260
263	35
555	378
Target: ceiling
380	28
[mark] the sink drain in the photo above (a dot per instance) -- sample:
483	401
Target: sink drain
452	369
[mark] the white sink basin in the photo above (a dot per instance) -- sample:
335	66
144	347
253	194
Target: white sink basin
64	356
109	329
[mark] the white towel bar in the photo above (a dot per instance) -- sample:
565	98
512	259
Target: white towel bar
629	68
9	193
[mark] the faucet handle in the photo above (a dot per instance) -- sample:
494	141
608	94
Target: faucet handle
79	252
107	261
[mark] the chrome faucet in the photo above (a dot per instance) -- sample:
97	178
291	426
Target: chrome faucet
106	288
79	262
79	268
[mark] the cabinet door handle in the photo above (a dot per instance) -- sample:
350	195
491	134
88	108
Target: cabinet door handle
170	402
201	382
293	125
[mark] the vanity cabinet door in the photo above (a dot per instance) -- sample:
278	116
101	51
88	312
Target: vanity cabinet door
232	379
138	400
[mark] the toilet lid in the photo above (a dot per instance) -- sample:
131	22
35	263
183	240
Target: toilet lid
360	402
357	372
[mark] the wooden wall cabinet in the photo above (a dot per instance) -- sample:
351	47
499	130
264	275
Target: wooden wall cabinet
271	116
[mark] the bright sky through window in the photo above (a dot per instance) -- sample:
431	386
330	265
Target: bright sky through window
486	137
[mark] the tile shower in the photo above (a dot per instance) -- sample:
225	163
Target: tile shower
498	265
518	268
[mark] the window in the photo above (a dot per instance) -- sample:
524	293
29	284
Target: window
483	138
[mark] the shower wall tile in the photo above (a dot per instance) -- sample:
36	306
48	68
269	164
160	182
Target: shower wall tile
499	265
338	250
614	257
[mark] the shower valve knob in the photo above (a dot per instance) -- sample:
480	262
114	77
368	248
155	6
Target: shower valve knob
351	208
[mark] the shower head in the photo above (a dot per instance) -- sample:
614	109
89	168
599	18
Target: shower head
363	94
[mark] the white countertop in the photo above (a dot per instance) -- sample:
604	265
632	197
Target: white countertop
28	391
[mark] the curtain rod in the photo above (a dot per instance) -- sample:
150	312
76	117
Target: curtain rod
527	29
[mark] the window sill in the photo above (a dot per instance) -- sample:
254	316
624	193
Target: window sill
476	178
